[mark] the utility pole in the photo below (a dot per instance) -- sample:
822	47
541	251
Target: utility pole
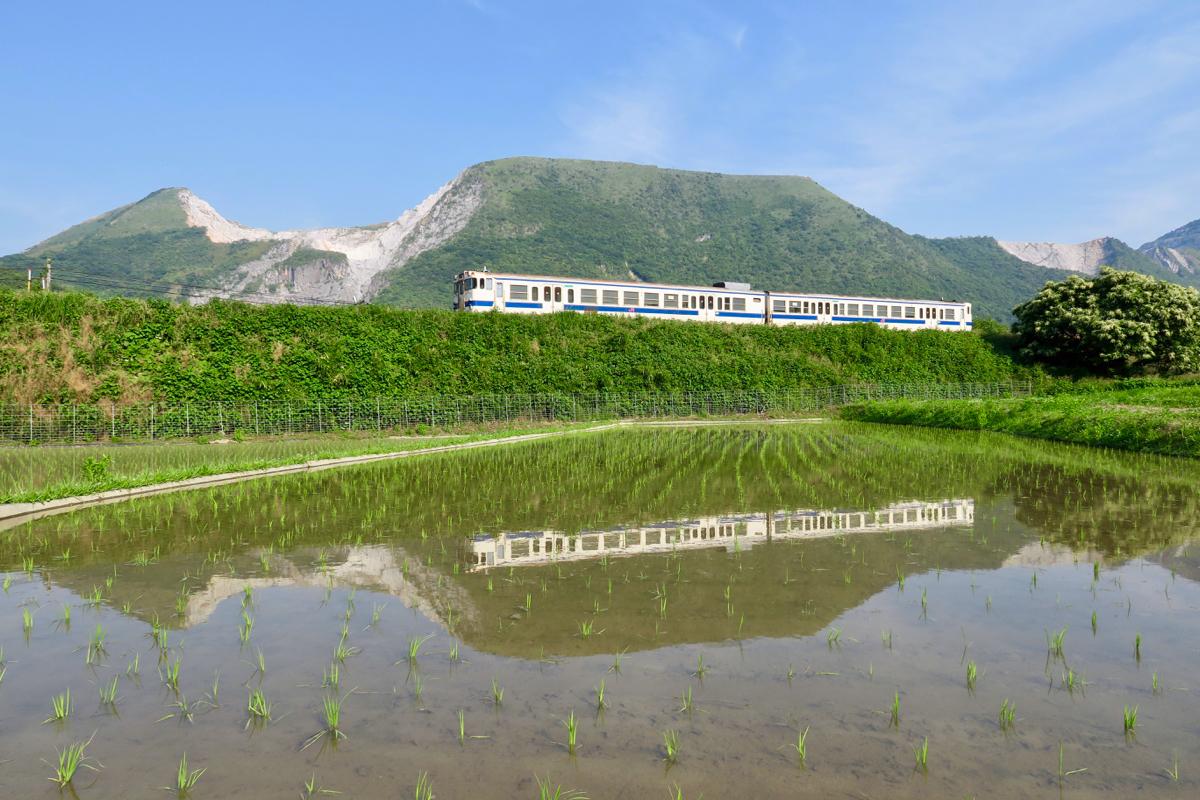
49	267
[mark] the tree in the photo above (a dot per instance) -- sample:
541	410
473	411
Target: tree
1115	323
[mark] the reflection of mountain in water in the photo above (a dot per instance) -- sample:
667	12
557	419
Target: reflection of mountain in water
733	531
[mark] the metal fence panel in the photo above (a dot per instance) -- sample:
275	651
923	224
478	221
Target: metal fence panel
84	423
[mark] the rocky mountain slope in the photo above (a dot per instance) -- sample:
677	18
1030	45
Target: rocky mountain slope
557	216
1177	251
1088	257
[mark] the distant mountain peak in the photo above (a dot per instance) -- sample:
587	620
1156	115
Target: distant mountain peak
200	214
1177	251
1085	257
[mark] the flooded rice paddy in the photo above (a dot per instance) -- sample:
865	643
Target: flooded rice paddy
766	612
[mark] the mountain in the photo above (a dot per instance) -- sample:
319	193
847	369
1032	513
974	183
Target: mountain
549	216
1088	257
1178	251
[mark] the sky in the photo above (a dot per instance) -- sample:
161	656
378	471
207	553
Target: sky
1037	121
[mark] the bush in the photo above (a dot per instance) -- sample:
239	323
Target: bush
1118	323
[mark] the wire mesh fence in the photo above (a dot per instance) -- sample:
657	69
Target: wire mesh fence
82	423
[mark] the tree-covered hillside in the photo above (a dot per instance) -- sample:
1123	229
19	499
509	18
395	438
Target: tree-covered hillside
606	219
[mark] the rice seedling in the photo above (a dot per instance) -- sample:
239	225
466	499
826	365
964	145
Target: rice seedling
424	789
899	579
701	670
259	708
896	709
572	725
924	602
686	706
134	668
616	664
497	693
184	710
671	745
108	693
331	678
550	791
1094	623
331	708
185	780
1155	688
26	621
414	646
972	675
170	674
833	637
801	746
462	727
260	665
246	627
70	759
1055	641
1130	720
886	637
1008	715
922	755
7	584
1137	647
587	629
1173	770
60	707
95	649
65	622
601	704
312	788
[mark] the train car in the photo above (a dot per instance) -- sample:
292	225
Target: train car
736	303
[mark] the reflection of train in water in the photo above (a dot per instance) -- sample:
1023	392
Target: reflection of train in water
734	531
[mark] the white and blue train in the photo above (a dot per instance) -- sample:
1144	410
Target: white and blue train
480	290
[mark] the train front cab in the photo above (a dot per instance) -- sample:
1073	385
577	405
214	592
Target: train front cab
474	291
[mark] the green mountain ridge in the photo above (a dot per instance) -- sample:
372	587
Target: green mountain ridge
547	216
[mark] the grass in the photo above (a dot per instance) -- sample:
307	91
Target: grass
601	703
1130	717
921	752
547	790
671	745
686	706
331	710
186	780
60	707
972	675
1055	642
74	756
801	746
424	789
1008	715
895	709
1133	420
497	693
258	707
572	725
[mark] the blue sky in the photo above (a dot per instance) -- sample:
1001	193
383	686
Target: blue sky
1056	121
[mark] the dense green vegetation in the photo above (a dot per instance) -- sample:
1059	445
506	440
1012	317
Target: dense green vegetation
605	219
1116	323
77	347
1153	418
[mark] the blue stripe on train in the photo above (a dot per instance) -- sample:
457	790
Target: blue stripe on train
627	309
738	314
511	304
480	303
794	316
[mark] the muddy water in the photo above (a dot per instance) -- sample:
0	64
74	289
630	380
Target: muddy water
791	578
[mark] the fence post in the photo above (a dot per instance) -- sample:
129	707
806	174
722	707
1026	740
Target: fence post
256	431
31	423
152	422
112	413
378	425
187	419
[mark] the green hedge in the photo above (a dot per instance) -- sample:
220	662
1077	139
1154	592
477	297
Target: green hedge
70	346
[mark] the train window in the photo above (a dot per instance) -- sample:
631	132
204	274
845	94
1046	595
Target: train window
651	299
610	297
895	311
488	283
779	305
670	301
518	292
558	294
710	302
631	298
499	289
545	294
852	309
739	304
909	312
693	301
587	296
570	295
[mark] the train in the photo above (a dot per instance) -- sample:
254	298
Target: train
725	302
735	532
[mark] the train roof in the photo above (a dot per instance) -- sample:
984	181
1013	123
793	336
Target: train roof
711	289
